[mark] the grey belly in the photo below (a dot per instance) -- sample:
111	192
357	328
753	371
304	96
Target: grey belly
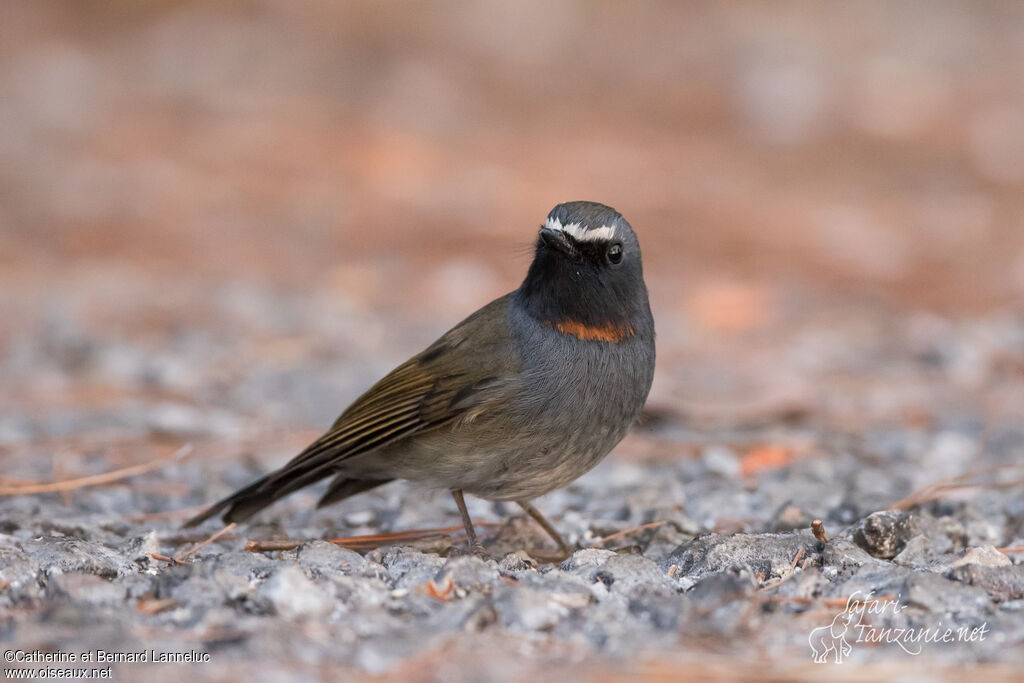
496	461
522	449
573	403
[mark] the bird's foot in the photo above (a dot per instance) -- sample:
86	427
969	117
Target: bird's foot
474	549
477	550
554	556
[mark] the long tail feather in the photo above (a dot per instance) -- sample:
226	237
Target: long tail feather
246	502
342	487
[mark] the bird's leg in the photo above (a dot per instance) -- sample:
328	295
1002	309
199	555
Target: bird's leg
546	525
475	546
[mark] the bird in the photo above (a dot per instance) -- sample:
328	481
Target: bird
519	399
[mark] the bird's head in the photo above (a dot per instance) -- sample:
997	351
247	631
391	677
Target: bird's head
587	277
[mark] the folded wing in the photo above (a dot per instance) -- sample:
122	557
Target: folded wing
443	384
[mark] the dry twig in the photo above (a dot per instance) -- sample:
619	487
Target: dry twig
368	542
792	571
272	546
626	532
163	558
960	482
150	607
182	556
96	479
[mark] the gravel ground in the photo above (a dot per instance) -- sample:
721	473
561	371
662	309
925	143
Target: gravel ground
695	542
221	221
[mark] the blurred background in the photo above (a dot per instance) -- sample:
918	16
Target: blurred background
221	214
220	222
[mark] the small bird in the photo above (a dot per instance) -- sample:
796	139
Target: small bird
517	400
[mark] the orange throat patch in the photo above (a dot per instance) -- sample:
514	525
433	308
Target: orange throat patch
608	332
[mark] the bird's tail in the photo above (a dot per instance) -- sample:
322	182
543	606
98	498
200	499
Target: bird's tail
246	502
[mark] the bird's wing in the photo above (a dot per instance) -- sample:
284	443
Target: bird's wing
459	376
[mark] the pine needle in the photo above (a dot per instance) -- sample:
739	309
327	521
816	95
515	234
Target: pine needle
96	479
960	482
367	542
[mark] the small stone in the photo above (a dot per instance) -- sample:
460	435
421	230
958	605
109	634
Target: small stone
18	572
519	561
584	560
924	551
468	572
1002	584
408	568
88	588
770	555
721	461
882	534
320	558
938	593
632	574
528	609
983	556
232	586
66	554
731	584
843	558
140	547
294	596
359	518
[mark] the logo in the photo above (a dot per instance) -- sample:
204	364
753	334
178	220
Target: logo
855	624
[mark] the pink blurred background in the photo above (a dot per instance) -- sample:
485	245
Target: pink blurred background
780	162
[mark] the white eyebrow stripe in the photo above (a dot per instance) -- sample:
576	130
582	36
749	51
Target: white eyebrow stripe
576	230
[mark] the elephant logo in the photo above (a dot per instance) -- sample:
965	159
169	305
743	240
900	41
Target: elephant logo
832	638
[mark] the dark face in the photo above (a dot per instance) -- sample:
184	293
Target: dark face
586	273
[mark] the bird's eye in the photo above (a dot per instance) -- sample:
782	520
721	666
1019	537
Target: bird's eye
615	253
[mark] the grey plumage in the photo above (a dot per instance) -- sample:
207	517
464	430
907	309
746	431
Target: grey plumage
517	400
564	402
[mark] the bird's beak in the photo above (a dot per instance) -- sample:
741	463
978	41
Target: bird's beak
557	240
